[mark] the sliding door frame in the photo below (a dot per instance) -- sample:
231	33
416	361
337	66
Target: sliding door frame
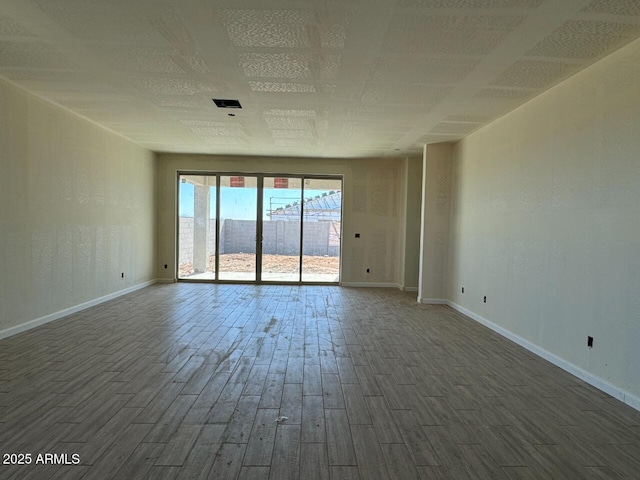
259	225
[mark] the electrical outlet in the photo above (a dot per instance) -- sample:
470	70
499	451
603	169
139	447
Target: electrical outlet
368	270
122	274
484	299
166	266
357	235
462	289
590	342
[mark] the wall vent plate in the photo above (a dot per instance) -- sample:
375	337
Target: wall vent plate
222	103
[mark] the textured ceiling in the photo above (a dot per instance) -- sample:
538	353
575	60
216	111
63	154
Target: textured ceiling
340	78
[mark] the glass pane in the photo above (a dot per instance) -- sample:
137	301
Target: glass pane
238	218
197	227
281	199
322	211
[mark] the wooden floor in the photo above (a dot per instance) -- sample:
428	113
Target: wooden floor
189	380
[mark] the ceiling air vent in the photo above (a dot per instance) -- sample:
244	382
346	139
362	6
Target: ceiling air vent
221	103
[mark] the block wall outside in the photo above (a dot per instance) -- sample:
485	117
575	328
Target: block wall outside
279	238
186	239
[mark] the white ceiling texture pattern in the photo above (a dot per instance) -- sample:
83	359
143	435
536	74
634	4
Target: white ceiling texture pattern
332	78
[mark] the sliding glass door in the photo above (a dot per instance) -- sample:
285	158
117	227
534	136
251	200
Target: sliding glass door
259	228
281	207
321	219
197	227
238	228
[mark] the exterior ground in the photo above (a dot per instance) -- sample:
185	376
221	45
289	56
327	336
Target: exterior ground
245	262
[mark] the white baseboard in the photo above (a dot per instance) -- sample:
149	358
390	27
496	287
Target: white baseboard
432	301
23	327
410	289
371	285
594	380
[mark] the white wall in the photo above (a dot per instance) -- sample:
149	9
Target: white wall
412	171
76	210
546	221
434	229
372	198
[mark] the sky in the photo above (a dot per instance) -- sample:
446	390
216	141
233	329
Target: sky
241	203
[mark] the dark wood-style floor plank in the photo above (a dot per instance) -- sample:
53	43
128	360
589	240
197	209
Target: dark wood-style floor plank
314	464
285	464
339	442
262	438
